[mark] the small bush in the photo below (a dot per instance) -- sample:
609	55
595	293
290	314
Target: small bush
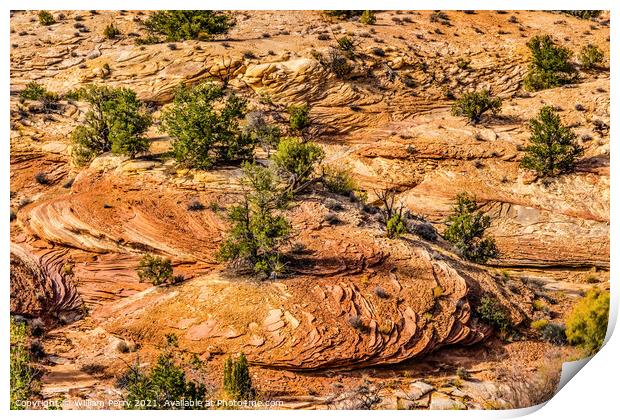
584	14
553	333
425	230
195	205
33	91
357	323
296	160
237	380
299	117
346	44
332	219
395	226
463	63
590	57
539	305
440	17
380	292
162	387
333	205
343	14
46	18
338	63
379	52
493	314
156	270
474	104
552	149
338	180
41	178
111	31
23	381
539	324
180	25
587	324
550	66
116	122
465	230
368	17
204	123
36	92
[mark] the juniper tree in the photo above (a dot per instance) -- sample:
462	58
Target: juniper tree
550	65
156	270
466	230
552	149
473	105
205	125
259	227
116	122
299	117
180	25
590	57
163	386
296	160
237	380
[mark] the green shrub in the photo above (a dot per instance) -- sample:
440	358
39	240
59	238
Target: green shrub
474	104
466	230
539	305
259	228
491	312
552	149
587	324
550	66
204	123
46	18
338	180
590	57
583	14
395	226
368	17
343	14
162	387
539	324
156	270
24	383
296	160
149	39
180	25
116	122
37	92
111	31
237	380
346	44
299	117
33	91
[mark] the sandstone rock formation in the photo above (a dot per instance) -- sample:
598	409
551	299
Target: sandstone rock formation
355	302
